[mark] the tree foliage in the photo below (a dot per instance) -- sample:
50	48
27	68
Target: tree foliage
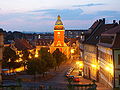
36	66
59	56
25	55
8	53
9	57
48	58
43	63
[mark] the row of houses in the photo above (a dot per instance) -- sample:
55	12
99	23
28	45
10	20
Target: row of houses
100	51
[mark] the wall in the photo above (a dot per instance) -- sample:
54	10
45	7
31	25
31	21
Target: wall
117	68
90	61
105	60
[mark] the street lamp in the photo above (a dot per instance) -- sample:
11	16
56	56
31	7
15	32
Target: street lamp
93	65
72	50
36	55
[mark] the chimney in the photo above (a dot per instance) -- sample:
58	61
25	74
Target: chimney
114	21
104	20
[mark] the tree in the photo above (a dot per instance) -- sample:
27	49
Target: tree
48	58
25	57
59	56
36	66
32	66
41	67
9	57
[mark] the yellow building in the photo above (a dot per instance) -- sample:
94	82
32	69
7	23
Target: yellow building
59	38
90	62
90	49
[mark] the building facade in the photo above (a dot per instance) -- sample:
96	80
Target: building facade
90	53
109	57
90	62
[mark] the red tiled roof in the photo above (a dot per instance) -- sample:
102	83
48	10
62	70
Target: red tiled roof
113	30
22	44
94	36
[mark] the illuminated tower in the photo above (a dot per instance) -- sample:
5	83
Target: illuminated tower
59	33
59	38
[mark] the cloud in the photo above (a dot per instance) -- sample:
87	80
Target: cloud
44	20
89	5
67	14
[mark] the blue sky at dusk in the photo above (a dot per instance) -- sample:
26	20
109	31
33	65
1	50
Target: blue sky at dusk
41	15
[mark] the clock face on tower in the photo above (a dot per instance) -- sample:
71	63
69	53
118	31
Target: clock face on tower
58	32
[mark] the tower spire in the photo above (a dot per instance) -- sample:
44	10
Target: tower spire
58	22
59	17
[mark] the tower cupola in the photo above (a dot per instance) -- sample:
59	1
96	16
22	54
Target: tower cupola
58	24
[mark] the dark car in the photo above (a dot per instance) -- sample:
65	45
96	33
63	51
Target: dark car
71	76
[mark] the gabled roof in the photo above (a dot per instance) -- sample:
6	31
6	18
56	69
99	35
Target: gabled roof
96	33
22	44
113	30
95	24
115	34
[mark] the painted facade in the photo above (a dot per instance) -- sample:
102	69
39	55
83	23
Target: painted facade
90	62
105	59
109	57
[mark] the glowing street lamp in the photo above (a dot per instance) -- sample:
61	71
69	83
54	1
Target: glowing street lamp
36	55
72	50
109	68
30	56
80	64
77	62
93	65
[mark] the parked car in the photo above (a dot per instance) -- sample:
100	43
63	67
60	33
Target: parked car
76	79
71	76
69	72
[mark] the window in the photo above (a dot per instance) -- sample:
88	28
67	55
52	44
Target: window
118	59
58	36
